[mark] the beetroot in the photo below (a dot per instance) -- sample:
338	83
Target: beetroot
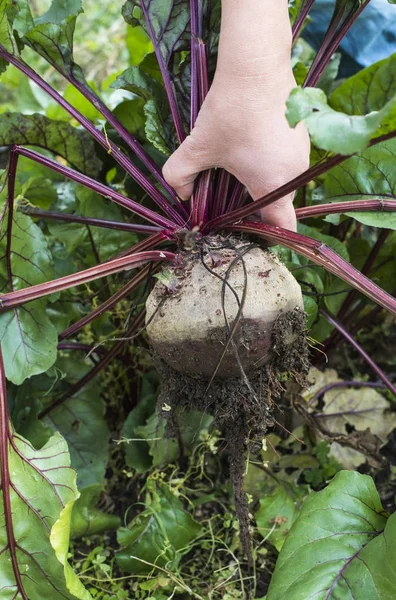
190	326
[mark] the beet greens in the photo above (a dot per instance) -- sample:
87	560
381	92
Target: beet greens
125	217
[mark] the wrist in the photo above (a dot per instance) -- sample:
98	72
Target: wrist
256	38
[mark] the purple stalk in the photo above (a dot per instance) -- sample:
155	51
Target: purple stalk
320	254
107	305
305	7
166	77
362	353
81	347
102	364
195	106
10	201
219	204
286	189
100	188
202	192
238	197
103	140
339	27
344	384
133	228
319	210
13	299
5	480
132	142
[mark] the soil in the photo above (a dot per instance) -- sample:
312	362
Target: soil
242	406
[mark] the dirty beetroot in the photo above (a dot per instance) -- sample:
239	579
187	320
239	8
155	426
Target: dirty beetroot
227	328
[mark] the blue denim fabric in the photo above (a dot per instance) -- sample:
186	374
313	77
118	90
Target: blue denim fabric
372	37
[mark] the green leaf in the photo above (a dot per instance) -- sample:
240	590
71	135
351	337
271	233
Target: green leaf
31	261
51	36
28	337
332	130
24	408
157	128
35	528
139	44
74	145
8	12
338	541
169	22
135	80
386	220
311	310
369	90
78	101
80	420
86	519
159	535
137	453
131	114
276	516
29	341
370	175
329	240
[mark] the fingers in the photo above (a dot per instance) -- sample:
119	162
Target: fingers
182	168
280	214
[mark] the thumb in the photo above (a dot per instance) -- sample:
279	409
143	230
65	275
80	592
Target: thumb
182	168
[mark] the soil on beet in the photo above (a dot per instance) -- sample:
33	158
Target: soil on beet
242	407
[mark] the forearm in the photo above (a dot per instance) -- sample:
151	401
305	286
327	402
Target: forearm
255	36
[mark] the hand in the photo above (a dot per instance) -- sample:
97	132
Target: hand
242	125
242	128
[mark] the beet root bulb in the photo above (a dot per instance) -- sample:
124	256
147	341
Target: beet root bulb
219	313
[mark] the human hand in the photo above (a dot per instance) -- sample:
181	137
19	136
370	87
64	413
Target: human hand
242	128
242	125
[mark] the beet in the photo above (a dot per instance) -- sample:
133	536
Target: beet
189	327
227	328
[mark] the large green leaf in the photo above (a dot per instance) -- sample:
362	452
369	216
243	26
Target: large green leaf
81	421
330	129
31	261
159	535
29	339
370	175
51	35
340	546
367	91
61	138
37	494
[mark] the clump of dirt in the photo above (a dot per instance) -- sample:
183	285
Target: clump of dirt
242	406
